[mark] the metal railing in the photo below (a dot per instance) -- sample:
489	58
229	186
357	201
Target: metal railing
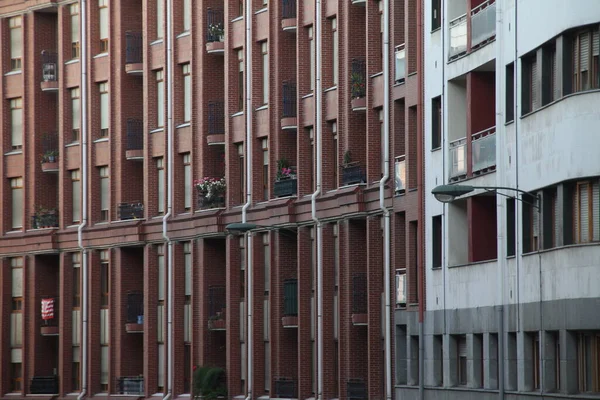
358	78
458	157
483	22
216	300
290	297
458	36
135	307
49	312
289	99
352	174
359	293
400	63
134	50
135	134
44	219
216	118
400	174
356	389
130	385
483	149
285	187
49	66
50	147
215	27
134	210
207	202
288	9
285	388
44	385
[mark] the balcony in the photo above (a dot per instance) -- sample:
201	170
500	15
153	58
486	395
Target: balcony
217	308
359	299
400	63
135	312
289	120
135	140
134	53
466	37
127	211
49	314
358	89
356	389
215	32
44	218
49	71
290	303
483	151
400	175
44	385
458	159
352	173
50	152
358	2
458	37
285	187
130	385
288	15
285	388
216	123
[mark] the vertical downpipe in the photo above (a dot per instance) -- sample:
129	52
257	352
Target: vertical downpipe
421	197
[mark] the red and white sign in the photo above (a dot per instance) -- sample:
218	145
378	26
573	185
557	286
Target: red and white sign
47	309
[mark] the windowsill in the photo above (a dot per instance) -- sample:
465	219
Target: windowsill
184	125
184	34
263	107
262	10
237	114
566	246
13	152
330	89
101	140
15	72
73	226
473	263
184	214
559	100
398	83
376	75
436	268
512	121
157	130
158	217
241	17
15	231
436	149
157	41
439	28
102	223
306	96
73	61
72	144
105	54
121	221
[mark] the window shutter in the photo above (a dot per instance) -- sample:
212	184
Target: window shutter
534	85
596	43
584	41
555	76
535	221
557	216
583	208
462	346
595	208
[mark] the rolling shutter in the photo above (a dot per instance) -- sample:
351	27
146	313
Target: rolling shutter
595	208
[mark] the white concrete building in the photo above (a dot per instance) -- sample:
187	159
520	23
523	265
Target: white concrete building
512	99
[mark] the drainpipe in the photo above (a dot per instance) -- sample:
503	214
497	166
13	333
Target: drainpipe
84	193
169	163
313	198
386	212
248	148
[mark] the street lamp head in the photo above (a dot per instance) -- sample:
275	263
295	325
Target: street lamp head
240	228
447	193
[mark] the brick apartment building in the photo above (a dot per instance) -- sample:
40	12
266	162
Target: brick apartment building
118	275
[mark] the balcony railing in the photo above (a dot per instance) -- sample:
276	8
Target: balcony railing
400	174
458	36
209	202
289	100
216	118
135	134
50	147
128	211
356	389
135	308
44	219
216	300
483	23
483	150
285	388
400	63
458	158
359	293
288	9
285	187
290	297
49	66
134	53
44	385
358	76
352	174
130	385
215	28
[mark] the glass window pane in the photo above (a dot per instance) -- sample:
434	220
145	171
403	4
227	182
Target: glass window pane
187	15
187	185
76	201
161	190
187	98
104	111
104	23
159	19
160	103
75	28
104	194
16	127
17	208
16	43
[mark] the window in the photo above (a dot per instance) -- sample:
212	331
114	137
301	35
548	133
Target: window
103	14
160	98
588	362
585	209
160	178
535	358
381	142
436	240
242	246
264	46
74	11
16	321
266	262
336	52
461	349
104	194
240	150
16	42
76	194
240	54
16	123
311	42
76	260
75	113
187	15
160	28
529	84
510	228
16	186
586	73
16	375
187	181
311	137
104	279
401	288
550	84
187	93
436	15
104	109
336	154
531	226
436	122
265	171
510	93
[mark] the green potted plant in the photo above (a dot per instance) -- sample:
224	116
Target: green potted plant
50	156
209	383
216	32
357	85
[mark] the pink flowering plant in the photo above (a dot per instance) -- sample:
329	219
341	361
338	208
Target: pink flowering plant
210	187
284	171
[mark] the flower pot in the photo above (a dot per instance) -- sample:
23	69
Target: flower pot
285	187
